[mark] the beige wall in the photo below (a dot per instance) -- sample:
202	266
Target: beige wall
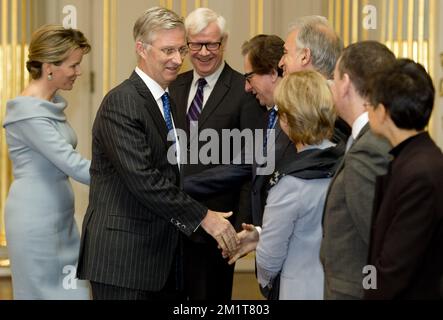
438	78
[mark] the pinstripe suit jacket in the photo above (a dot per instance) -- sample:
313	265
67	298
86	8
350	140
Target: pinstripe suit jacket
136	208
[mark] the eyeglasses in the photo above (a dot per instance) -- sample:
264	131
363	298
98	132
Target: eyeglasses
169	51
210	46
248	76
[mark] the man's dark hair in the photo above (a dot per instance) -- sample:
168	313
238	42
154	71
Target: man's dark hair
362	60
264	53
407	92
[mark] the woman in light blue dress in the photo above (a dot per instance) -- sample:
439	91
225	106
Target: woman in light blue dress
42	236
288	244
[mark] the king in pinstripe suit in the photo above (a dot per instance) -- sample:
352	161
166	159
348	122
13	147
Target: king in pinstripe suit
130	245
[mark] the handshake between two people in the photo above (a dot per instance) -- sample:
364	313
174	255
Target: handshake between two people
233	245
248	240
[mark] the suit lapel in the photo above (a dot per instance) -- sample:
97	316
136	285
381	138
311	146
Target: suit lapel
152	108
342	162
222	86
180	107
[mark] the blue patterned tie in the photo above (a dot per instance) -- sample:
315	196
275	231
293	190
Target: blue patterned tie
197	104
167	112
271	124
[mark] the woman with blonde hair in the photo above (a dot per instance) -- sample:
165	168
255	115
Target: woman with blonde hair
288	248
43	239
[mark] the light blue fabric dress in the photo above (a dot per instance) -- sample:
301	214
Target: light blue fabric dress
43	238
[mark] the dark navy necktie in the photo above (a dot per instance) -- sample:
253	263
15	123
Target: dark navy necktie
167	112
197	103
271	124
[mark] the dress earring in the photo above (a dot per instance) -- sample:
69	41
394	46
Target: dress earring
50	77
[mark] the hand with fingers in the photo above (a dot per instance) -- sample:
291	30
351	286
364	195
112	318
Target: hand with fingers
218	226
248	242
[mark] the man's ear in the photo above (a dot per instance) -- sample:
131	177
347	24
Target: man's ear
140	49
274	75
306	57
225	41
383	113
346	85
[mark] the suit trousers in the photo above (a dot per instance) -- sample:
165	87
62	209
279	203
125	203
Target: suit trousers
172	291
207	275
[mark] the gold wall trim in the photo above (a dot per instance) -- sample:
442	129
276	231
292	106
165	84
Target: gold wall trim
260	15
421	31
110	44
106	46
400	10
256	17
184	8
383	21
4	180
113	43
432	64
23	44
410	36
337	23
355	21
364	32
391	24
14	22
331	5
252	17
346	22
13	78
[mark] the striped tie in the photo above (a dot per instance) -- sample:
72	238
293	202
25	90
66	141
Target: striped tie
197	104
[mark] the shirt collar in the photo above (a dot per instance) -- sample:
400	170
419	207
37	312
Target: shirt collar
397	149
156	90
211	79
358	124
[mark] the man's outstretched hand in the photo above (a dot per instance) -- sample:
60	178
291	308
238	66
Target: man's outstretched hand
217	225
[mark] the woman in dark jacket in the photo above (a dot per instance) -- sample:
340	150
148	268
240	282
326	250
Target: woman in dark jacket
407	230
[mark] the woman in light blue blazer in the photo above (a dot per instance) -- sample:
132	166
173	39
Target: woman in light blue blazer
288	248
42	237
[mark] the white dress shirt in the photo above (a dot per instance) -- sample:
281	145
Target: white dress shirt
207	90
157	92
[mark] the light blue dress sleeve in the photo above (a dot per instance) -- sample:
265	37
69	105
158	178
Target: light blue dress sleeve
282	209
41	135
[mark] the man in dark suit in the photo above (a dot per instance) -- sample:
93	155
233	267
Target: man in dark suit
130	245
210	96
348	207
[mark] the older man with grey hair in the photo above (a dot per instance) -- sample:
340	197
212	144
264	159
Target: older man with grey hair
311	44
131	245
